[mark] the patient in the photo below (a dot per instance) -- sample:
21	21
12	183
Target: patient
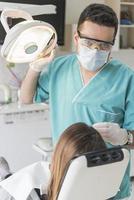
76	139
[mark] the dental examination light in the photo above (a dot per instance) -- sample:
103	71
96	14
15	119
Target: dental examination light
28	40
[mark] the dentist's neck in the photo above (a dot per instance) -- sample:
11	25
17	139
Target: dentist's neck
87	75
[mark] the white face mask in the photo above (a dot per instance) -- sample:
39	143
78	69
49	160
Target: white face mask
92	59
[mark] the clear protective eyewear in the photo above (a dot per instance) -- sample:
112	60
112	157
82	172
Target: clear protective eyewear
90	42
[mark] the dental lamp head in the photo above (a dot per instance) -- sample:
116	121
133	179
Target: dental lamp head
28	40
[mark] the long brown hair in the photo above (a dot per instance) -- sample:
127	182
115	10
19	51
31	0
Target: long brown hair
78	138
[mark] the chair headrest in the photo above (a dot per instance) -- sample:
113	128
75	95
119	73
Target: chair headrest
94	175
103	157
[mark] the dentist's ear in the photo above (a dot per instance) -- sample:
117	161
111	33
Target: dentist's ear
76	39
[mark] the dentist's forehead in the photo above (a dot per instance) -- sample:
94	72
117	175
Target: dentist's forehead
96	31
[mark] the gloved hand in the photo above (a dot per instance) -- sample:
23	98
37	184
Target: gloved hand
112	133
41	62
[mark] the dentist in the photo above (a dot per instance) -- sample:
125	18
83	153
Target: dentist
88	86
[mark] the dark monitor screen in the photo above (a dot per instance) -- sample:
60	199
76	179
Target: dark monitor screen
55	19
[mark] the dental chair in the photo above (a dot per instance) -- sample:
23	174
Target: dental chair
94	175
91	176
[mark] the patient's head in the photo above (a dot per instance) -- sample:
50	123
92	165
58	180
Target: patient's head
78	138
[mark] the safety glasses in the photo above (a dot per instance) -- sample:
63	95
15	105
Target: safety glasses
90	42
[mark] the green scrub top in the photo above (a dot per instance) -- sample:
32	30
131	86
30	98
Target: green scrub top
108	97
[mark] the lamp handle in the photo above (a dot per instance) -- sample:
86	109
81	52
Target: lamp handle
13	13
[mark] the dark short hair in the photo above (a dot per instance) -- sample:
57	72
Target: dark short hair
100	14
